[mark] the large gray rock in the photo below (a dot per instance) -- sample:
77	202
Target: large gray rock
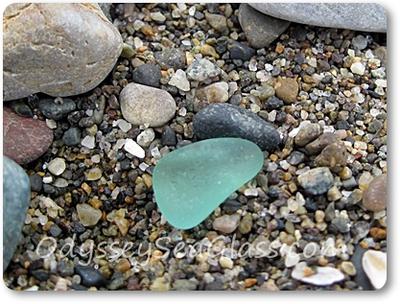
260	30
16	196
369	17
58	49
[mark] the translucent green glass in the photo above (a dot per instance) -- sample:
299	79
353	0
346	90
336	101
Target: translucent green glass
190	182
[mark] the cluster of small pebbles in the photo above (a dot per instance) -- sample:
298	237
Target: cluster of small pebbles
314	100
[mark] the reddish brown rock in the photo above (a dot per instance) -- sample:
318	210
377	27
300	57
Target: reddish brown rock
374	198
25	139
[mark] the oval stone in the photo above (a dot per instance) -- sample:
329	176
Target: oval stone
190	182
25	139
16	197
226	120
374	198
54	48
142	104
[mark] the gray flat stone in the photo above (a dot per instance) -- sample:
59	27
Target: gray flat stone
368	17
260	30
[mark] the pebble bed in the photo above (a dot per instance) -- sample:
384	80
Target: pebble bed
324	90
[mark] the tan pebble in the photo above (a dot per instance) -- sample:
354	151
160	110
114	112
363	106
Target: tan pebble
269	286
348	268
308	271
334	194
378	233
322	261
95	203
346	173
364	180
226	262
208	50
287	176
86	188
292	187
153	236
287	89
273	157
93	174
129	200
250	282
319	216
147	30
123	265
147	180
279	48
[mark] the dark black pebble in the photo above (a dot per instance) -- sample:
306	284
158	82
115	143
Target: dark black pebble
226	120
168	137
36	182
273	103
21	108
56	109
241	51
231	206
90	276
40	275
147	74
171	58
72	137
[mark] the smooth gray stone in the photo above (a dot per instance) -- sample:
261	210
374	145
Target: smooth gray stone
226	120
369	17
16	197
260	30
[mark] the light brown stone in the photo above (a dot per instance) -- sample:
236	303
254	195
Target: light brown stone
58	49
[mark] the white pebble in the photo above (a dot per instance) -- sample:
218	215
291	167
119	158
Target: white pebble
253	65
88	141
180	81
157	16
95	158
124	125
182	112
52	124
324	276
133	148
143	166
251	192
145	138
47	179
155	152
374	265
357	68
292	259
57	166
381	83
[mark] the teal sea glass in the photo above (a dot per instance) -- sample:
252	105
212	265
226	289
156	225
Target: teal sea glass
190	182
